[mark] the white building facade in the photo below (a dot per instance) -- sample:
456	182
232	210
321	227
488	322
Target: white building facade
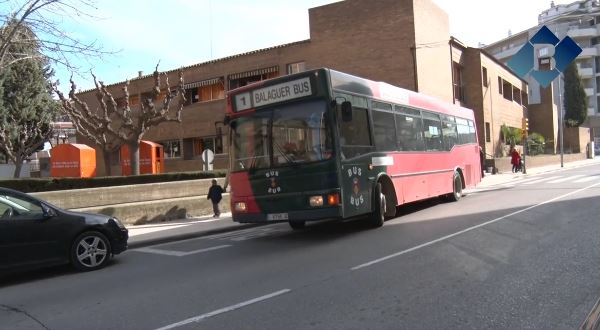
579	20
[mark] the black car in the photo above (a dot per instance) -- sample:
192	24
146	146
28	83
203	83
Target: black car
34	233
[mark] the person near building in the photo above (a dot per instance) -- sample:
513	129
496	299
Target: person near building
215	194
515	160
482	161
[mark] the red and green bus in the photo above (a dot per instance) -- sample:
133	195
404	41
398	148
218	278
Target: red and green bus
323	144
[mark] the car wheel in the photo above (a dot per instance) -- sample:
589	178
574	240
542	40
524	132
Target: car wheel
456	188
90	251
297	225
378	215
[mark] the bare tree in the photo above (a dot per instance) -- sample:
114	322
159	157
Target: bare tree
94	125
122	123
42	16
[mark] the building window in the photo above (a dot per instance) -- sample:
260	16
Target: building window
204	90
516	95
457	82
484	76
172	148
487	133
134	100
296	67
191	96
214	143
507	89
500	85
212	92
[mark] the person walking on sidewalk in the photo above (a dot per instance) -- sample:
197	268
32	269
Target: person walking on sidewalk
515	160
215	194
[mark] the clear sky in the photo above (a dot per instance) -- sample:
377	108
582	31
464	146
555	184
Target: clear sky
184	32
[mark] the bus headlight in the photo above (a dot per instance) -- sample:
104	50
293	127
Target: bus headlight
315	201
240	207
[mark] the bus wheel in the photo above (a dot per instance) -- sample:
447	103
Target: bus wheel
297	225
456	188
378	216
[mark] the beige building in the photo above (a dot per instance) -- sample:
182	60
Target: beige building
493	91
402	42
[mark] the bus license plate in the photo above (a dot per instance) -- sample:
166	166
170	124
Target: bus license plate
277	216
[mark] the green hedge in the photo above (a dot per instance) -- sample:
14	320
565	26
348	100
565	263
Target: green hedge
50	184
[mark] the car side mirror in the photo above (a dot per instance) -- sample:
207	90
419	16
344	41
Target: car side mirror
346	111
48	211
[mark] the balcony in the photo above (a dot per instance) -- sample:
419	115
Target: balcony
588	52
582	32
589	91
585	72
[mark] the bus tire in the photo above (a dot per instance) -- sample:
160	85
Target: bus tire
297	225
456	188
379	205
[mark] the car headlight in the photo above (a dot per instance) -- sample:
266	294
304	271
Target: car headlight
118	222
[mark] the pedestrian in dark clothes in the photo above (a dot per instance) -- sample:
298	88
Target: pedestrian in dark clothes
215	194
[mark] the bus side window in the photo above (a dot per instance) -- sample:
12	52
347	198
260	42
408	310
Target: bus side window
432	132
409	133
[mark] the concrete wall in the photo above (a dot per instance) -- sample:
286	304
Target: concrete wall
576	139
137	204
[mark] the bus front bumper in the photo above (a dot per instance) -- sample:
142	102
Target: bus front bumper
301	215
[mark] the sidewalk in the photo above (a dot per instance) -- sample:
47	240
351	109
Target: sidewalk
145	235
494	179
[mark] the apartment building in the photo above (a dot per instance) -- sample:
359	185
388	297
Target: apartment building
579	20
402	42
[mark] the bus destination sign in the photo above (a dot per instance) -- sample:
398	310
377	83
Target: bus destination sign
286	91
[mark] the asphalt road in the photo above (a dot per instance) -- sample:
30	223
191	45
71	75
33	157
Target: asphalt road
521	255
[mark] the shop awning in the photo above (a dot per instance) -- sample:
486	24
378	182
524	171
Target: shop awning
253	73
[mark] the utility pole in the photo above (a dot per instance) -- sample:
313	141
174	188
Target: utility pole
560	121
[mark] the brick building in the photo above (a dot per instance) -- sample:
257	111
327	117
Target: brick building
403	42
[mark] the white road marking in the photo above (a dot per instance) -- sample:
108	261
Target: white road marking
397	254
224	310
565	179
242	235
586	179
543	179
179	253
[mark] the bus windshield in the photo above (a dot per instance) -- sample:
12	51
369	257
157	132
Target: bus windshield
282	136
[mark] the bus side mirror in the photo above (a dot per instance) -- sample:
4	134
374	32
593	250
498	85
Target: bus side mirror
346	111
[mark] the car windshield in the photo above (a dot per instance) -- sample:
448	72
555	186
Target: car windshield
282	136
